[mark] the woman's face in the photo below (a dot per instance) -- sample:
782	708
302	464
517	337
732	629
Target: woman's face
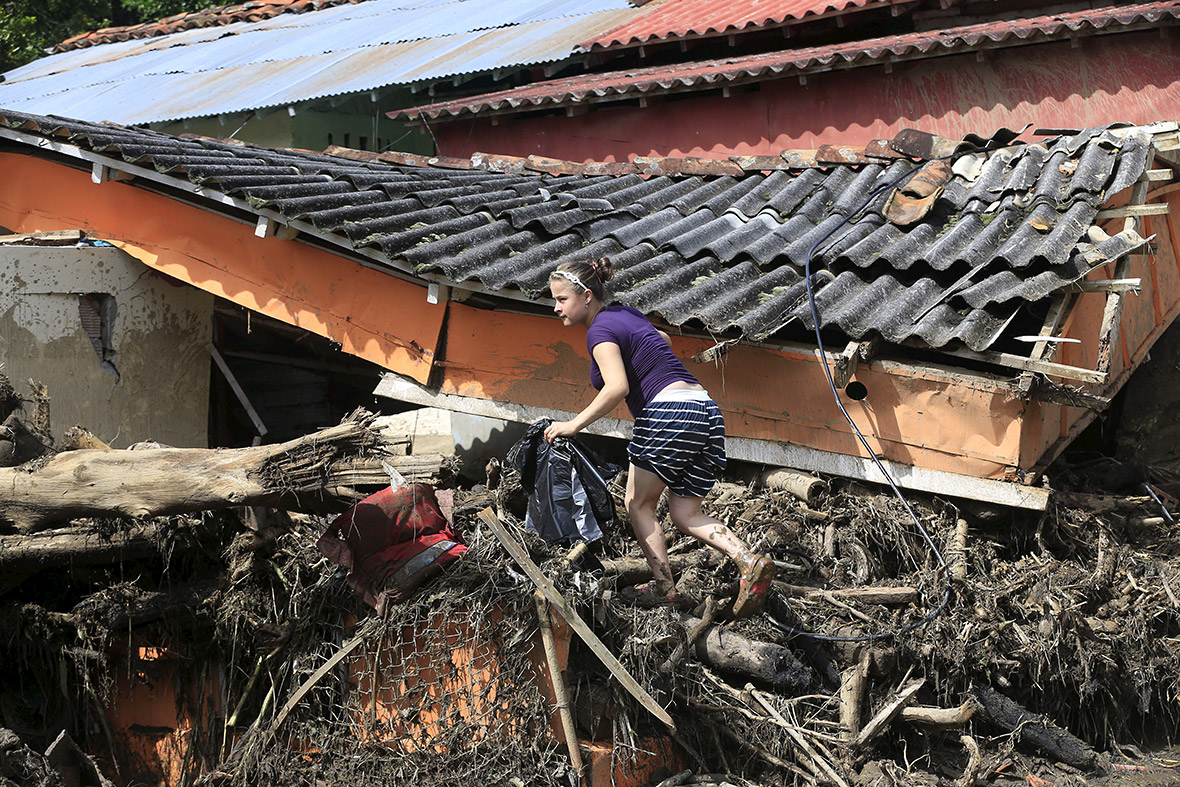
571	306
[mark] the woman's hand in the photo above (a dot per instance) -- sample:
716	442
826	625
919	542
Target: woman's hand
614	391
560	429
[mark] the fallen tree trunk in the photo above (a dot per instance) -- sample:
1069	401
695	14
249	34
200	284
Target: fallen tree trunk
80	547
771	664
163	481
632	571
415	468
865	595
1030	728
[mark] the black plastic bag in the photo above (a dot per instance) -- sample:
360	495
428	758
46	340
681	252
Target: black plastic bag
567	485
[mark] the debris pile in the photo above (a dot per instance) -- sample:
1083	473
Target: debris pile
1045	647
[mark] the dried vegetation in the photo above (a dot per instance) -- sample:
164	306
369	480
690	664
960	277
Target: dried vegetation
1055	655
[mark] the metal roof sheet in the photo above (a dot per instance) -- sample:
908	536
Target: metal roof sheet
676	19
724	253
712	73
259	11
292	58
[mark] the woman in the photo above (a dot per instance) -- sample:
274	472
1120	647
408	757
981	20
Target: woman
679	436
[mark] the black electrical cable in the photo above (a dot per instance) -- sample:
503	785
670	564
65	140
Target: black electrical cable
942	566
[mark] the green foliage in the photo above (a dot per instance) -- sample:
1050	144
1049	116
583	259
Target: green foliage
29	27
148	10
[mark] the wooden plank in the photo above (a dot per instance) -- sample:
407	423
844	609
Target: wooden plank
1043	349
1108	332
1032	365
52	238
1106	285
518	553
1048	391
395	386
884	716
846	364
100	173
238	392
1158	209
1157	175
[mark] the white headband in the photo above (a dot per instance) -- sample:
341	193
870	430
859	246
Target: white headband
570	277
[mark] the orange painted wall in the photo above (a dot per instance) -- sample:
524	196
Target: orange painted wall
153	716
373	315
924	417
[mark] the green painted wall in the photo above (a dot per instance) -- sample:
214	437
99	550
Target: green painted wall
354	121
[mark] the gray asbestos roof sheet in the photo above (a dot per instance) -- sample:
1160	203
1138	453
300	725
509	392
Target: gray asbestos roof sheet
726	254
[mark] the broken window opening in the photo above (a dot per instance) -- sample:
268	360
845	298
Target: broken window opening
97	312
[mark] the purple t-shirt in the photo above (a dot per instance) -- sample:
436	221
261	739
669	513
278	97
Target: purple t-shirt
650	363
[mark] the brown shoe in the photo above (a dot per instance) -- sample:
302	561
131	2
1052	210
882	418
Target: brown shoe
755	582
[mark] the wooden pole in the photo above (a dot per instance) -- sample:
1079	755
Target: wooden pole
518	553
560	696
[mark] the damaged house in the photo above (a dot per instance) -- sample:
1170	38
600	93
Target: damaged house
981	317
982	296
113	338
979	302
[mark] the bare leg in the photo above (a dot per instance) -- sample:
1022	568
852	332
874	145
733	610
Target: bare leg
690	520
757	570
643	493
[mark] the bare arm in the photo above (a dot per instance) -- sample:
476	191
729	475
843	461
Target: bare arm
664	336
614	390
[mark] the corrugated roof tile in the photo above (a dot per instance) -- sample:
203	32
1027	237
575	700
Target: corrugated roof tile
679	19
681	77
725	253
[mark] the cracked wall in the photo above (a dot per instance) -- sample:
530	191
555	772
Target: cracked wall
123	349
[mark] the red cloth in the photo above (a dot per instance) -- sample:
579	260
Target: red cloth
391	542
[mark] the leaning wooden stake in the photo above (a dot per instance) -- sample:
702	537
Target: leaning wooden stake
518	553
852	689
888	713
559	692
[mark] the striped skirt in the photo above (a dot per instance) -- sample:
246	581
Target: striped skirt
680	436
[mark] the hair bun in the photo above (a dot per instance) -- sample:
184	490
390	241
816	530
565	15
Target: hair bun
602	268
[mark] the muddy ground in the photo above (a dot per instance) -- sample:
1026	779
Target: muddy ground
919	642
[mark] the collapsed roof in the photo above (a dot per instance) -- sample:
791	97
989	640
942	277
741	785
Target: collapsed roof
724	253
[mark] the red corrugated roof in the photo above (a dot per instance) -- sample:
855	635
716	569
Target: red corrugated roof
252	11
688	18
676	78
